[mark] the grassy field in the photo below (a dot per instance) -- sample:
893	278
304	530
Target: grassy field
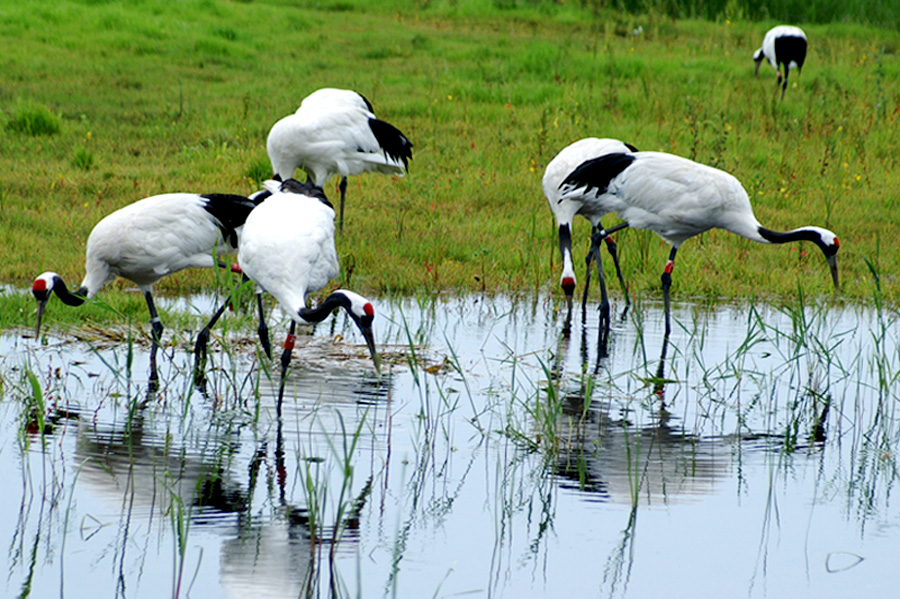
103	103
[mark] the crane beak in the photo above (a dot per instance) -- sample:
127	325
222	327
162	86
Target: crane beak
41	305
832	264
370	343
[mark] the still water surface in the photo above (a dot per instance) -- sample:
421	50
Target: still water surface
491	458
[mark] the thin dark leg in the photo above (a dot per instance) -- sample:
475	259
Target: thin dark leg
263	330
604	308
666	285
593	253
203	340
156	329
597	236
343	187
285	362
784	83
612	248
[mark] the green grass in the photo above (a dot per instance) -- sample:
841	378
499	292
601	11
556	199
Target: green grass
102	104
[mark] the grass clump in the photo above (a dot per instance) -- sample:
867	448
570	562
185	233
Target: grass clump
34	120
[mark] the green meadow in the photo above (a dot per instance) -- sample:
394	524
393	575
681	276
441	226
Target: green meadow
103	103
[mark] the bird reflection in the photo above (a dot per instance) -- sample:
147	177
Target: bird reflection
617	462
607	456
273	547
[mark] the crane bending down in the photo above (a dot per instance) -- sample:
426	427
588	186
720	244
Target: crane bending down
565	210
783	46
335	132
287	249
147	240
678	198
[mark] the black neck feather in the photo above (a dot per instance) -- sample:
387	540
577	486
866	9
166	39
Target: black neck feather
565	239
324	309
797	235
66	296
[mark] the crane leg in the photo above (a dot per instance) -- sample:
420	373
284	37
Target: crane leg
784	81
203	340
598	236
203	336
263	330
666	285
343	187
156	331
593	254
612	248
285	362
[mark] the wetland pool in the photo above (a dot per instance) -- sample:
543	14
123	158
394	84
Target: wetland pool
491	458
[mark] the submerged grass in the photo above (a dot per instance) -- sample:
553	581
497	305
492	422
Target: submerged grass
125	101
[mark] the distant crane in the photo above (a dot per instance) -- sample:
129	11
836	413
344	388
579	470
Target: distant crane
565	211
147	240
335	132
287	249
678	198
783	46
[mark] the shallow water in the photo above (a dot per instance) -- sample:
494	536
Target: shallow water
441	477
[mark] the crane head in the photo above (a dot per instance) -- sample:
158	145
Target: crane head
41	289
363	313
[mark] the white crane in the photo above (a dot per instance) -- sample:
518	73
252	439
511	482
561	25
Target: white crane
335	132
147	240
287	249
678	198
565	211
783	46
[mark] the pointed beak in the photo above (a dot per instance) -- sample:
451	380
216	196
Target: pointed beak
832	264
40	314
370	343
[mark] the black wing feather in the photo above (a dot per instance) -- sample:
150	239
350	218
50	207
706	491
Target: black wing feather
230	211
596	173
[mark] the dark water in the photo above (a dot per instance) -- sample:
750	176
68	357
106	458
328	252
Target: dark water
444	476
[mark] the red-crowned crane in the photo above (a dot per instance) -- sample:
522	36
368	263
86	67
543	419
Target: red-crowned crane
678	198
565	211
287	249
783	46
335	132
147	240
